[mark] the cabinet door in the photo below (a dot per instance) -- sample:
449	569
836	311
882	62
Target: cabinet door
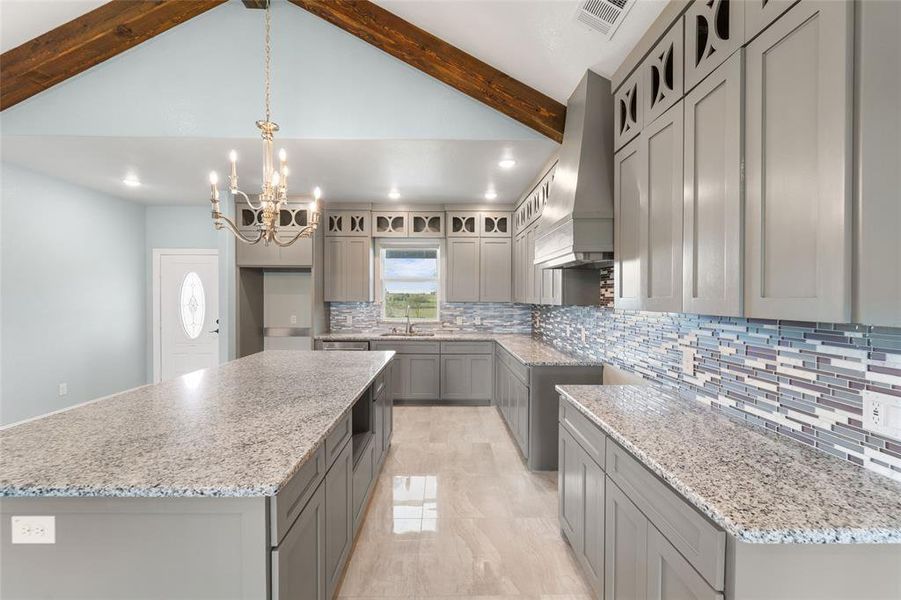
571	490
378	422
797	166
714	30
670	576
661	74
462	279
660	252
362	479
357	256
463	224
517	268
338	516
495	224
712	245
532	273
877	268
551	287
456	373
625	548
522	416
298	254
627	110
495	270
333	269
420	374
390	394
426	224
298	563
627	183
760	13
389	224
595	509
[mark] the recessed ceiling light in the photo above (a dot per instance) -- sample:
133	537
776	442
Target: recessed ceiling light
490	195
132	180
394	195
507	163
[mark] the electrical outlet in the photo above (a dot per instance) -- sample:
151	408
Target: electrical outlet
293	319
349	320
584	335
63	389
33	530
882	414
477	320
459	320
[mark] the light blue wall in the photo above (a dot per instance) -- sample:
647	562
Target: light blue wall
73	290
204	78
168	227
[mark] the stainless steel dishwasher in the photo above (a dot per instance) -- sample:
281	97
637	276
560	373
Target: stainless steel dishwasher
341	345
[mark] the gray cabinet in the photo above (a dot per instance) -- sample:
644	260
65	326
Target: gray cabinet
670	576
660	214
627	170
495	269
354	223
495	224
797	165
362	480
877	166
388	409
347	269
298	254
298	563
626	548
463	262
467	377
760	13
419	376
463	224
712	217
338	517
513	402
628	109
661	74
714	30
426	224
389	224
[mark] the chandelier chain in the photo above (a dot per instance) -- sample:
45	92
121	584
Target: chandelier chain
268	56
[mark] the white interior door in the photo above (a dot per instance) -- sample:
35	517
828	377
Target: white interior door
187	312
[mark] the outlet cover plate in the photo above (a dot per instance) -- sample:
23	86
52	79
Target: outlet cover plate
882	414
33	529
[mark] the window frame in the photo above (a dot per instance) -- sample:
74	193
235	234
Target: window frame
408	244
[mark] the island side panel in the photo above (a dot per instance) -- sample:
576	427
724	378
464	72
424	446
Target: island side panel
139	548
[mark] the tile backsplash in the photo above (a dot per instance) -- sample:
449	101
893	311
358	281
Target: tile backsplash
457	316
803	380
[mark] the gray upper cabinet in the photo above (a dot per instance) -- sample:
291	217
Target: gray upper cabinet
357	223
661	74
292	218
712	217
627	170
625	547
878	166
346	266
463	224
628	110
797	165
426	224
495	270
760	13
495	224
714	29
670	576
389	224
660	229
462	279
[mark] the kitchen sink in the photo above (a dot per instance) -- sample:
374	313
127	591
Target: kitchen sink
413	334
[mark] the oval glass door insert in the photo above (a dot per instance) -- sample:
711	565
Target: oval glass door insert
192	305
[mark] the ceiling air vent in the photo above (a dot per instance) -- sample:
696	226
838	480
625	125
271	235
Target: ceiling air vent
604	15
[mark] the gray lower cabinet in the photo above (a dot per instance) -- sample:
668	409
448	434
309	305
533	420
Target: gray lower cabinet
298	563
466	376
419	376
670	576
797	152
362	478
626	548
338	517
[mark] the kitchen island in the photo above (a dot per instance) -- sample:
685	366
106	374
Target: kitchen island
244	481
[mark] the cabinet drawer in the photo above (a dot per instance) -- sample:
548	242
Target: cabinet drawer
700	541
337	438
519	370
467	347
408	347
586	433
288	503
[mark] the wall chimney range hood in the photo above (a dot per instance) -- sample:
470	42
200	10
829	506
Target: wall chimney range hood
576	225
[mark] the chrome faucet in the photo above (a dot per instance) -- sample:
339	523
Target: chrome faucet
409	328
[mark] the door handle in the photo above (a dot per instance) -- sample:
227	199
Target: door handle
215	330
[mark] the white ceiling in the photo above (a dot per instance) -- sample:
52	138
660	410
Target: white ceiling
23	20
175	170
538	42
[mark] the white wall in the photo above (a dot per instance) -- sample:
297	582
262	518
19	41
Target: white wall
192	227
73	294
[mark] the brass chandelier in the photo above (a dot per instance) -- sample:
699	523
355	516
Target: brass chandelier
274	193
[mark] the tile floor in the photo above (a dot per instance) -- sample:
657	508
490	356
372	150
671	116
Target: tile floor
455	513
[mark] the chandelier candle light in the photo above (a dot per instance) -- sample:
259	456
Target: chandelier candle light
274	194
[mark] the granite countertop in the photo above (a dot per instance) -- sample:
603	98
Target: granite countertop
759	487
526	349
242	429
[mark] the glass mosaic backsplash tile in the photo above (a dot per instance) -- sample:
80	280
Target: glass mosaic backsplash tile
456	316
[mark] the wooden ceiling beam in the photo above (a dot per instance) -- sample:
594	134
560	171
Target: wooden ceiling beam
433	56
87	41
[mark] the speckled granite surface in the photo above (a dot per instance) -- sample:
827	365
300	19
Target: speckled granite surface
759	487
242	429
526	349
